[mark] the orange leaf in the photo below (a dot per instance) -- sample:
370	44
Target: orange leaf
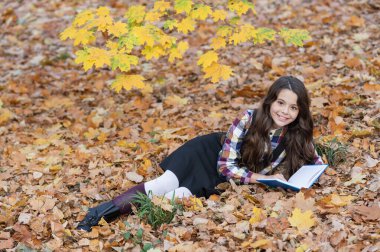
355	21
353	63
371	87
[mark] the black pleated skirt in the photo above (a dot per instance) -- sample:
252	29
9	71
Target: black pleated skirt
195	164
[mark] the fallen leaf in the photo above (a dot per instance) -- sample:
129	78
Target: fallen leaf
355	21
304	204
368	213
259	243
199	221
257	215
24	218
162	202
133	176
303	221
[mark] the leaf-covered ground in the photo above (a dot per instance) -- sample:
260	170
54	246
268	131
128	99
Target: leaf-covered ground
69	143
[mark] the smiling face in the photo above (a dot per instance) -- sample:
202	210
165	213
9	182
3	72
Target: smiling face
284	110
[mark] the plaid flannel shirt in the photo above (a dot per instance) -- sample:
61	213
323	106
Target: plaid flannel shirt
230	156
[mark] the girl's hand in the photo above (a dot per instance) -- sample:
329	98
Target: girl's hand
259	176
278	176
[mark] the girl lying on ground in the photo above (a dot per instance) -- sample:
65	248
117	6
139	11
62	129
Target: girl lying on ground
280	130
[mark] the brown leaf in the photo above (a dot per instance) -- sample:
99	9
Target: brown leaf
304	204
354	63
270	198
355	21
22	233
6	244
368	213
337	237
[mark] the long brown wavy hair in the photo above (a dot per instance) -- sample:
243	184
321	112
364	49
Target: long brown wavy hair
299	135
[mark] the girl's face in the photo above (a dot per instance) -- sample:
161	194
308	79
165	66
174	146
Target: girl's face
284	110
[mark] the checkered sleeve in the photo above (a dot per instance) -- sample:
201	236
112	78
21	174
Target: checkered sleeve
317	159
230	156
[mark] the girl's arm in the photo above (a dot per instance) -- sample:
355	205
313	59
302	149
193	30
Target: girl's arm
228	161
317	159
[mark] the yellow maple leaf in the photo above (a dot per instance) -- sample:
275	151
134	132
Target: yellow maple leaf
249	30
335	200
153	52
102	22
114	47
240	7
153	16
338	200
161	6
217	71
219	15
129	82
93	56
175	100
217	43
123	61
102	137
183	46
257	215
208	58
118	29
183	6
177	52
239	37
55	168
5	115
70	32
129	41
82	57
186	25
135	14
143	35
83	17
167	41
103	11
91	133
302	221
174	53
224	31
195	204
170	24
99	56
83	36
201	11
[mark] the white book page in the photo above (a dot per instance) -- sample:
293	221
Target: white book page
306	175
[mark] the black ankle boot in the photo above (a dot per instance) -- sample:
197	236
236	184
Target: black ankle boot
108	210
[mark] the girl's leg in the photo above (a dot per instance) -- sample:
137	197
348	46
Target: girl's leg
122	203
181	192
165	183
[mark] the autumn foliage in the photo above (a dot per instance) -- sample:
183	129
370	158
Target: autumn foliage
68	143
144	34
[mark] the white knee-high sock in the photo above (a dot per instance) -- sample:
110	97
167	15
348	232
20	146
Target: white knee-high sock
165	183
181	192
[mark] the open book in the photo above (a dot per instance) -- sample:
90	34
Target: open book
304	177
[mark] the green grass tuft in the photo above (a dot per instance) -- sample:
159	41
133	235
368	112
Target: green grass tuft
154	214
333	151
